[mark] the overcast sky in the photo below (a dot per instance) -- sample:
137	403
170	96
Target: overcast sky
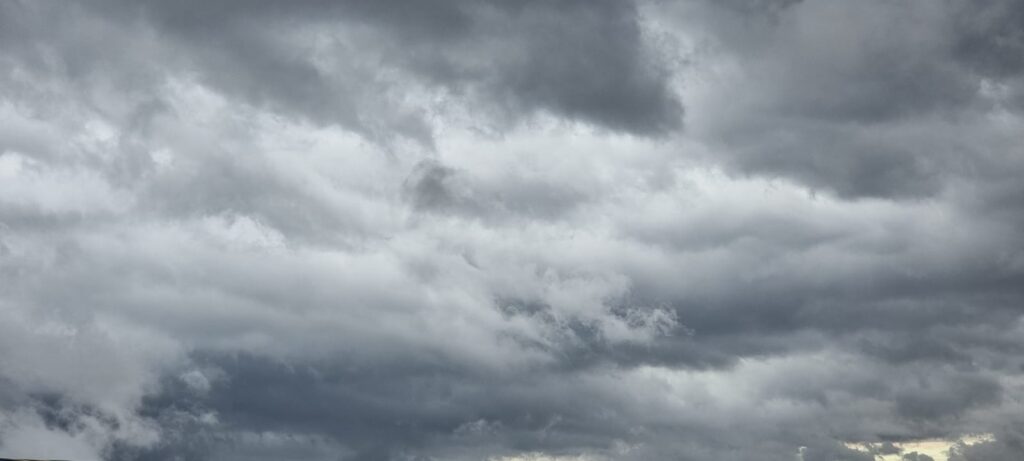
570	230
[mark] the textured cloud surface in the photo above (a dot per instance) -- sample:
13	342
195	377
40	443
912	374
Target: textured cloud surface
512	230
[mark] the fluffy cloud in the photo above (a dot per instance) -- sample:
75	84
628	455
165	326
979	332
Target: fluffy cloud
489	230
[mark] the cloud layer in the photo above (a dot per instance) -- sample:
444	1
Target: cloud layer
529	230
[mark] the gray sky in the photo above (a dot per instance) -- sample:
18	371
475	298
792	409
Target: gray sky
498	230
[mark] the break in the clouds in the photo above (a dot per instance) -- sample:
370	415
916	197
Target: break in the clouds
512	230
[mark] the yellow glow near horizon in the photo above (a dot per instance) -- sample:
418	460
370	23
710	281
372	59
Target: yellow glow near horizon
936	448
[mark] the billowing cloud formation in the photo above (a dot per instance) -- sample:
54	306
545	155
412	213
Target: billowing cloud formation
382	230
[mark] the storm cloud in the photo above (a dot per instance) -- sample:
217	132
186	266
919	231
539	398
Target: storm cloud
512	230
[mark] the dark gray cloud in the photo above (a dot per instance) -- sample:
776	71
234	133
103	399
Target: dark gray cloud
885	105
1006	446
585	61
382	230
